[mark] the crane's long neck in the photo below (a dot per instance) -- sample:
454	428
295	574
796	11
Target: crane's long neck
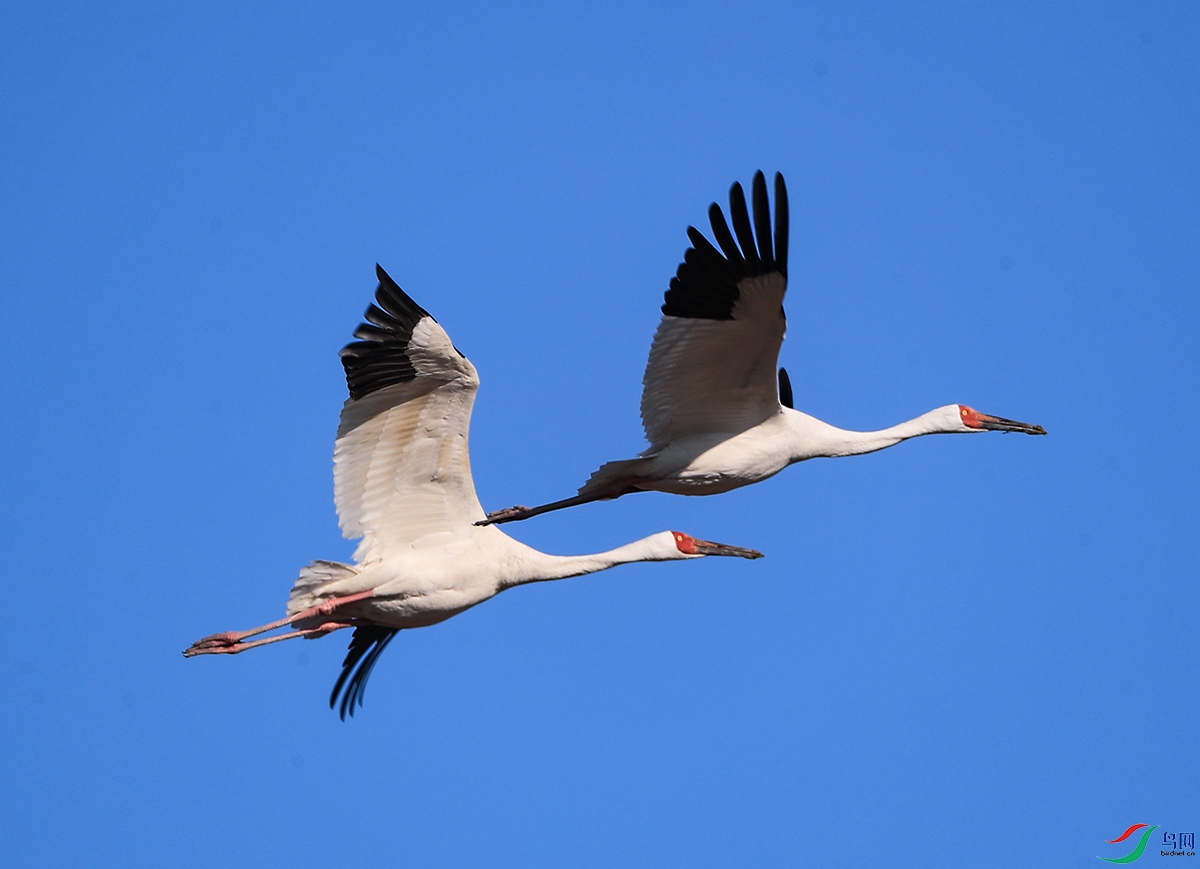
540	567
814	438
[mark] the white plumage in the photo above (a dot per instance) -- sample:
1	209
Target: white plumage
402	483
716	415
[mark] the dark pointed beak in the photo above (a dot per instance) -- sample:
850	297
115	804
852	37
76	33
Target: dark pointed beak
999	423
705	547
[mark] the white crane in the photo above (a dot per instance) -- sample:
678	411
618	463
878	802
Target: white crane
402	482
714	413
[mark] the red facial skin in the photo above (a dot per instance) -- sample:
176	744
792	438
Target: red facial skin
970	416
685	543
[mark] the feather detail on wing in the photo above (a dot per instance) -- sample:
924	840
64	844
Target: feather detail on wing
712	365
401	466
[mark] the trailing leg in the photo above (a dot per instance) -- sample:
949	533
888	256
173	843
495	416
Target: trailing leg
231	642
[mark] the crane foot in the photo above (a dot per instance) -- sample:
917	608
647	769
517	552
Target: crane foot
507	515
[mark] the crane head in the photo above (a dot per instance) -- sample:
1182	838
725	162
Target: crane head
689	545
973	420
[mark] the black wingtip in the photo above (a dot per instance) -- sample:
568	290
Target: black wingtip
394	300
378	359
781	224
785	389
762	216
705	285
739	216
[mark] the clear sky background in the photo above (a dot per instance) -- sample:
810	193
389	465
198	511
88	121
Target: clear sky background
961	652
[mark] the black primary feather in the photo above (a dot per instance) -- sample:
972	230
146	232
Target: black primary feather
785	389
365	647
740	217
781	225
705	285
762	216
379	358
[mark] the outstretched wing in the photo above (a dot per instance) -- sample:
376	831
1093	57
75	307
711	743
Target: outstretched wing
713	362
402	472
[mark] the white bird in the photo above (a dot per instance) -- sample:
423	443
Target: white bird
714	413
402	482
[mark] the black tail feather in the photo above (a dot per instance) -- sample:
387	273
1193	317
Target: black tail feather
785	389
365	647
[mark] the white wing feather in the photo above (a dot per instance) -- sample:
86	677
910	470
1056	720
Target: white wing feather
716	375
402	470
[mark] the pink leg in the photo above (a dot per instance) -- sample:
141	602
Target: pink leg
217	643
235	648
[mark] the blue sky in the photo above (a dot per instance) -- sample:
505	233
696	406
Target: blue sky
959	652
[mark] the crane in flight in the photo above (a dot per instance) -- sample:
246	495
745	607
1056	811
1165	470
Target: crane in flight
715	413
402	483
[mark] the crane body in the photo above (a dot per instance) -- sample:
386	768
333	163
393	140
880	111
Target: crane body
402	483
716	408
716	462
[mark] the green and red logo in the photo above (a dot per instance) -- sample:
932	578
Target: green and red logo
1136	852
1173	844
